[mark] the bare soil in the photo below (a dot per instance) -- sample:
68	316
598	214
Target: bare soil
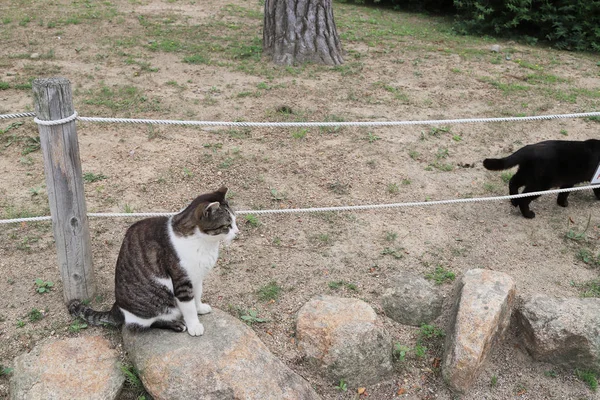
125	59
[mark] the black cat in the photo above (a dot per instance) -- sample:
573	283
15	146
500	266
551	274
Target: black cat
549	164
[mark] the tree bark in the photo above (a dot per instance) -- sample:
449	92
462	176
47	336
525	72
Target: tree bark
301	31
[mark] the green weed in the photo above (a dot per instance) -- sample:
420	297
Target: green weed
589	377
342	386
91	177
269	292
251	317
35	315
252	220
441	275
43	286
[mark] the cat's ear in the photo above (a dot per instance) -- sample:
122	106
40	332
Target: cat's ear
223	191
205	209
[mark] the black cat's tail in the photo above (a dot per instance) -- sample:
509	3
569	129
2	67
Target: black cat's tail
498	164
113	317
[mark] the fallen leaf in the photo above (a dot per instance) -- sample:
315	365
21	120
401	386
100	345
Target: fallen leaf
401	391
436	362
361	390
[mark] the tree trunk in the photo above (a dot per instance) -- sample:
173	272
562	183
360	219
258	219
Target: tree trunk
301	31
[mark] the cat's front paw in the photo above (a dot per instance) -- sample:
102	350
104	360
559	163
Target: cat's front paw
203	308
528	214
196	329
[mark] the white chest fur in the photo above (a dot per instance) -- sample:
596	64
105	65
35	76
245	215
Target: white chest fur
197	253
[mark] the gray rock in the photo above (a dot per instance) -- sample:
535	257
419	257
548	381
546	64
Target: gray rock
561	331
75	368
228	362
34	56
495	48
411	300
344	339
480	317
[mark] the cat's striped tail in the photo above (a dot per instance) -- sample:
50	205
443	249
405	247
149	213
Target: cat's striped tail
113	317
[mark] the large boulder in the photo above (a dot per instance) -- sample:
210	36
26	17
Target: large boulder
411	300
83	367
561	331
343	338
480	317
228	362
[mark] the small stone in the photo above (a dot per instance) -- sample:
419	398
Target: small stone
83	367
343	338
561	331
495	48
228	362
34	55
481	316
411	300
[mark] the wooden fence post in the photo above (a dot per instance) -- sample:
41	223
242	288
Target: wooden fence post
62	167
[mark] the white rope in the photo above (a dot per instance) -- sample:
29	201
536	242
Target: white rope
19	115
327	209
334	124
56	121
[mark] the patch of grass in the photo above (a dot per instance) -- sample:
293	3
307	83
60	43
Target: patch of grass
252	220
438	131
300	133
5	371
391	236
494	381
393	188
43	286
414	154
339	187
251	317
400	351
35	315
506	176
397	253
20	323
121	99
550	374
590	288
579	236
588	257
196	59
128	209
91	177
77	326
442	166
420	350
589	377
32	144
371	138
132	378
4	85
440	275
427	331
269	292
342	386
506	88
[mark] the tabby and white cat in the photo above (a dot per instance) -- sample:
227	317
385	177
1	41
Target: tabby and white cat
161	266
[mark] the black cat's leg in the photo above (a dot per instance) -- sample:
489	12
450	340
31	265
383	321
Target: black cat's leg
177	325
562	197
513	186
597	193
524	201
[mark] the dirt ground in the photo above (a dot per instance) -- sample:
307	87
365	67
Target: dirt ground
187	60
